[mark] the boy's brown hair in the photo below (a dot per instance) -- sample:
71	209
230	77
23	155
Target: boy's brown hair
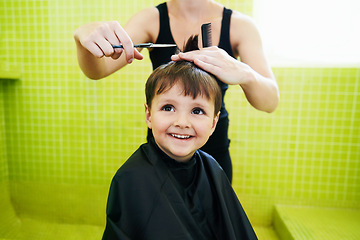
195	81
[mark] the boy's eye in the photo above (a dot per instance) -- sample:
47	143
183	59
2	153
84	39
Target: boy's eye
198	111
167	108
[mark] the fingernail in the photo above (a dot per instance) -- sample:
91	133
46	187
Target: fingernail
130	60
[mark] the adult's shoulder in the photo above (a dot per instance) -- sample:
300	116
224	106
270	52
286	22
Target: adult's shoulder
147	13
239	17
144	25
241	24
244	33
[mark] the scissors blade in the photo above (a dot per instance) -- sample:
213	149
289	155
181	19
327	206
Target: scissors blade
162	45
147	45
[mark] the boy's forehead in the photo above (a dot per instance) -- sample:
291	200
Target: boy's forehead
166	84
176	95
176	86
178	90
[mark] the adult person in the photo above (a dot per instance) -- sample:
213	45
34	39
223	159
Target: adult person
234	36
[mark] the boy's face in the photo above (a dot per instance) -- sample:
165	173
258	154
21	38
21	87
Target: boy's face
180	124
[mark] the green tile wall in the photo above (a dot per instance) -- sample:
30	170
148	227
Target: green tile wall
305	153
310	146
65	130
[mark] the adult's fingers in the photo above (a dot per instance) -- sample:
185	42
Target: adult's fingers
196	54
94	48
208	67
117	53
125	40
138	55
105	47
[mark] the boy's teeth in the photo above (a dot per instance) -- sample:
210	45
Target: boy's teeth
180	136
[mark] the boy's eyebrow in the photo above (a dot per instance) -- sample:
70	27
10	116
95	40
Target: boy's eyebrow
203	106
195	103
168	99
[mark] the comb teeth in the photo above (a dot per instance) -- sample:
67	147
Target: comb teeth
206	35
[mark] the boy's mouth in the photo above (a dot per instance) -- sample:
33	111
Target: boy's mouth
180	136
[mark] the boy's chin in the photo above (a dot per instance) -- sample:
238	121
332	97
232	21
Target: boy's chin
182	157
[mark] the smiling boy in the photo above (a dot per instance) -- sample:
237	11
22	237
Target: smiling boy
181	116
169	189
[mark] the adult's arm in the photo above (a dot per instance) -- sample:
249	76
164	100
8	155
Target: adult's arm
96	56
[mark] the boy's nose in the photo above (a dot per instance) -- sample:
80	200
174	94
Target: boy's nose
182	121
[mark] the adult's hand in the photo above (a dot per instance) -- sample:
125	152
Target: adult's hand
99	37
219	63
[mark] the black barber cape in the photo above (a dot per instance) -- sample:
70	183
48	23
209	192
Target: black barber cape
154	197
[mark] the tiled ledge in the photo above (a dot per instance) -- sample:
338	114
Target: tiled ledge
9	73
313	223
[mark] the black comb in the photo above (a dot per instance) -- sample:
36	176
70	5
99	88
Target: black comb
206	35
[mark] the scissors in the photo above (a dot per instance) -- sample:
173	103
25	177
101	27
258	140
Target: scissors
147	45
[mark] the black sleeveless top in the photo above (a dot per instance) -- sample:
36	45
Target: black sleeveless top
161	56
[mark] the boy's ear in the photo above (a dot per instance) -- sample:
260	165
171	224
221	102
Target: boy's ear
215	121
147	115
